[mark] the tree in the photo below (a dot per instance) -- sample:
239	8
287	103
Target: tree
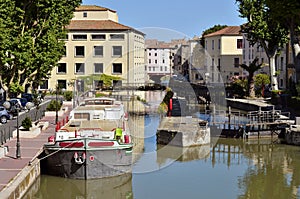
260	81
31	39
251	69
287	13
263	30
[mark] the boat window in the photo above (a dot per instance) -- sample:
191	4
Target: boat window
82	116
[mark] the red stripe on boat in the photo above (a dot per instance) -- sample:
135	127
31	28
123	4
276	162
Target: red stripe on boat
99	144
70	144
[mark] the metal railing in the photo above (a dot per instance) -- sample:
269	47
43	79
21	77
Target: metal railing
6	130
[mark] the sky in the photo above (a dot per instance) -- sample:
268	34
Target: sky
165	20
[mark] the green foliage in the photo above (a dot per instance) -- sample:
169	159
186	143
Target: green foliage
213	29
263	29
239	88
31	35
54	105
298	88
168	96
15	89
251	69
261	79
27	123
162	108
68	95
100	94
106	79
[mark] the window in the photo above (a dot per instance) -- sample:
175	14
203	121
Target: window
156	61
44	84
166	68
163	61
62	83
236	62
117	68
85	14
212	44
219	64
161	68
117	51
149	54
65	51
79	51
281	63
149	61
62	68
117	36
155	54
79	37
239	43
219	44
98	67
149	68
98	50
98	37
79	68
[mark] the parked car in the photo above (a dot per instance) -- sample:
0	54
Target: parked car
28	96
14	104
4	115
17	101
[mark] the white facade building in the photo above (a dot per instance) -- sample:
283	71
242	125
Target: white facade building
97	44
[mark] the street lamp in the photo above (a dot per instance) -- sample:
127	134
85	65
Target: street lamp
28	106
56	104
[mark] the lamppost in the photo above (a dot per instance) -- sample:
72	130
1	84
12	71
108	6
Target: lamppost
28	106
56	104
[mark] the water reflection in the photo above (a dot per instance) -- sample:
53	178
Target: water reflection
272	169
56	187
182	154
227	168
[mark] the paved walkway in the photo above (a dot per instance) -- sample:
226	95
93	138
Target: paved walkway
10	167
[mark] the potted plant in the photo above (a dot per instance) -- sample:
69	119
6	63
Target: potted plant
27	123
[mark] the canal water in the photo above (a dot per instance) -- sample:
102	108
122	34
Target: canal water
227	169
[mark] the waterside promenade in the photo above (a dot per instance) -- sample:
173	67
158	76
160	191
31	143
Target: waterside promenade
17	175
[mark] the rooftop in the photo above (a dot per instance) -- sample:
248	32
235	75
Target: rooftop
96	25
229	30
92	8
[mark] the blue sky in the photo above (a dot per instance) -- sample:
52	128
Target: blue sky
175	18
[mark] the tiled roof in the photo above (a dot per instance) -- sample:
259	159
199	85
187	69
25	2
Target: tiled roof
92	8
96	25
229	30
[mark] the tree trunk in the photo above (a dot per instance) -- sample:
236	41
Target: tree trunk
251	90
274	82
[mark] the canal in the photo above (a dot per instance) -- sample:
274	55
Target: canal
227	168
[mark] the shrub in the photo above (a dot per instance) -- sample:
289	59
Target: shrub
27	123
68	95
53	104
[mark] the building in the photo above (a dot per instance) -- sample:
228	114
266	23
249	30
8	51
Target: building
159	57
250	52
97	44
224	53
